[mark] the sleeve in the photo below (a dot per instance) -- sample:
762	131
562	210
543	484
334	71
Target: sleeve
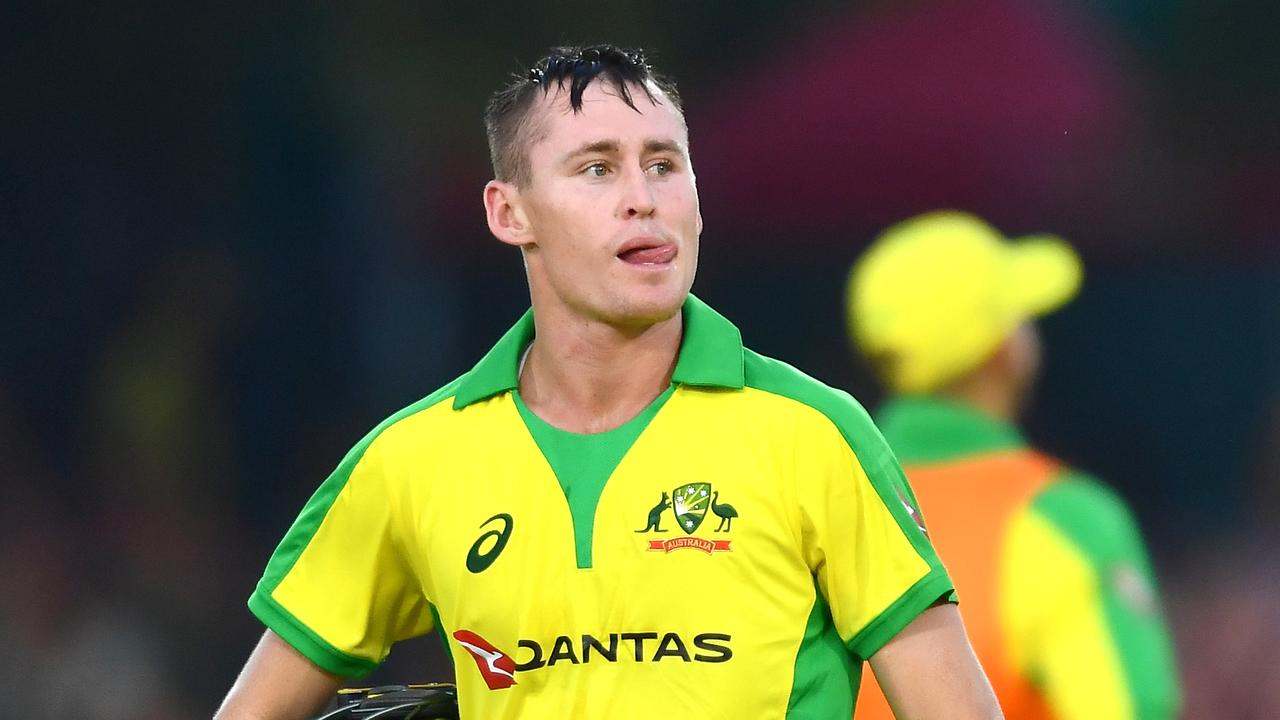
1083	610
338	588
863	535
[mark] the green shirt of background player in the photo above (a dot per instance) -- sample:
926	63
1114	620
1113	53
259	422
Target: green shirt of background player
1060	600
594	184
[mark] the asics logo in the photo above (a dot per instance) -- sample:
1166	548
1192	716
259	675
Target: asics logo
478	561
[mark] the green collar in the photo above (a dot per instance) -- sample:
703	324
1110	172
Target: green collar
923	429
711	355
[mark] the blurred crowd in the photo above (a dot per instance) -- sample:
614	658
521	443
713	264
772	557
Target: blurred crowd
237	241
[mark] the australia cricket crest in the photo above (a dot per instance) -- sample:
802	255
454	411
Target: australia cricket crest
689	504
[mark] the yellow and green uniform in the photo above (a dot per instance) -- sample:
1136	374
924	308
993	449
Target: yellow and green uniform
734	551
1060	601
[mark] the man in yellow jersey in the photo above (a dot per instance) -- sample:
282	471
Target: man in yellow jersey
1060	603
619	512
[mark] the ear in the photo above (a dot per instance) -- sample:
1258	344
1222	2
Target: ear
697	201
1018	355
1002	359
505	213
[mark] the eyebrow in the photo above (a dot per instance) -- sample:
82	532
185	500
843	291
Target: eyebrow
613	147
602	147
657	146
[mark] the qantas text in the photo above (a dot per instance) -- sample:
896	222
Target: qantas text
637	646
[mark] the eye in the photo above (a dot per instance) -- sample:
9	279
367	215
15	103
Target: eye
662	167
596	170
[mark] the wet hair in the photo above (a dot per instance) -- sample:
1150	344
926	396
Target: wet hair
509	118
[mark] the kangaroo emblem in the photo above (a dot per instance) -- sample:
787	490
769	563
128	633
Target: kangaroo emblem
655	515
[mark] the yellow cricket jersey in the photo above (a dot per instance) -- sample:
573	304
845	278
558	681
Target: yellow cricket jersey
734	551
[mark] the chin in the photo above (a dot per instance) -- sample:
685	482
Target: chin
650	306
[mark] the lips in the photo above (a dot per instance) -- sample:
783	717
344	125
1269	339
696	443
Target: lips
649	256
647	251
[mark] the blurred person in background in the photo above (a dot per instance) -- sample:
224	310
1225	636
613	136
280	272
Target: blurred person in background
72	645
1224	603
158	442
1059	596
505	510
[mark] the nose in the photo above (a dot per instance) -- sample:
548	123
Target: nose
637	195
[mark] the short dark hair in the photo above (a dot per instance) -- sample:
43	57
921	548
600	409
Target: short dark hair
507	117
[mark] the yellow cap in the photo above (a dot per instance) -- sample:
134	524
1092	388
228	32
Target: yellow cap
935	295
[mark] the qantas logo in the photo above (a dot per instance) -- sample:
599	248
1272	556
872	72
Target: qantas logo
497	669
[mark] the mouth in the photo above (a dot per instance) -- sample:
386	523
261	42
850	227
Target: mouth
648	251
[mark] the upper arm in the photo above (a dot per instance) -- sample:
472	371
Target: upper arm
278	683
863	536
1082	609
339	588
928	670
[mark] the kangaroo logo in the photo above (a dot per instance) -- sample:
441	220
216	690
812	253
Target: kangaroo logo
655	516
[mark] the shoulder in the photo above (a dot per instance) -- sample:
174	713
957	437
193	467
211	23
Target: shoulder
410	423
835	406
1088	512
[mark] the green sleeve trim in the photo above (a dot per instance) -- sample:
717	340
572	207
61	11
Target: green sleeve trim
897	616
855	425
304	640
313	513
1098	522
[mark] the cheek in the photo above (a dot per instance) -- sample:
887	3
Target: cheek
569	237
557	222
682	202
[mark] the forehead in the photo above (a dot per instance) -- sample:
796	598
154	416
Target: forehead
604	116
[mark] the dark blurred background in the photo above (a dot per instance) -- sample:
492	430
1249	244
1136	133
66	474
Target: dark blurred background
235	237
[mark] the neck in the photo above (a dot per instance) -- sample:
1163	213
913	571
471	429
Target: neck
589	376
987	393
